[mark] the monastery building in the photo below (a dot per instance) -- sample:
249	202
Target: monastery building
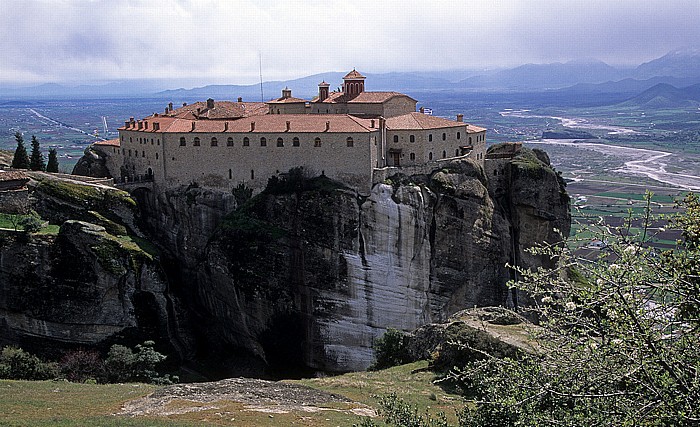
352	136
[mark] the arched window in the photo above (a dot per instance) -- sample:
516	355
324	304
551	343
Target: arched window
263	142
295	142
317	142
229	142
246	141
444	154
396	138
214	142
470	139
430	156
143	154
156	156
413	156
183	142
196	141
444	136
252	174
280	142
350	142
412	138
430	137
459	135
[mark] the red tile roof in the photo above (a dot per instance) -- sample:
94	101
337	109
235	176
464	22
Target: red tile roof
222	110
353	75
268	123
362	98
290	100
420	121
110	143
13	176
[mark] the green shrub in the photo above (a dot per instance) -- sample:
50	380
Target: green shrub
391	350
17	364
124	365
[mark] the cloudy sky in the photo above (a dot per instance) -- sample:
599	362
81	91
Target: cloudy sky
200	42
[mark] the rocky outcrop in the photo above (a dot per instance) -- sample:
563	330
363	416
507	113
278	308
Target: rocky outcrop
309	278
81	287
92	163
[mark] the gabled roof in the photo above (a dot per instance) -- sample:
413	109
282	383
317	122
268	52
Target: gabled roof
109	143
268	123
353	75
13	176
288	100
420	121
362	98
222	110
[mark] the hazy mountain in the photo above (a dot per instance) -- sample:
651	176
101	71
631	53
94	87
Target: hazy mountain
678	68
545	76
666	96
679	63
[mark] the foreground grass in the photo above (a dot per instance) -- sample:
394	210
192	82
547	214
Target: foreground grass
412	382
49	403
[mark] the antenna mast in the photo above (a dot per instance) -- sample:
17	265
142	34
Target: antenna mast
262	95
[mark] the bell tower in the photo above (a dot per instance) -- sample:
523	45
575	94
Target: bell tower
353	84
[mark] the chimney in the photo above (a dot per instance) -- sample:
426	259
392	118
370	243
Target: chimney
240	99
328	126
210	103
252	126
382	122
170	106
288	125
460	118
286	93
166	110
371	123
184	104
198	110
193	126
126	124
225	126
422	110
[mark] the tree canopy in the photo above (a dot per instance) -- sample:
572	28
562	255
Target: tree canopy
52	165
20	160
36	159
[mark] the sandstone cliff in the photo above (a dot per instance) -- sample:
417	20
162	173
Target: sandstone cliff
307	277
303	277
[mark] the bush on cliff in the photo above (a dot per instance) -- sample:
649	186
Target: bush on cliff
17	364
391	349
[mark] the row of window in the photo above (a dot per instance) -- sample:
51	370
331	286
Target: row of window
136	153
412	138
214	142
141	140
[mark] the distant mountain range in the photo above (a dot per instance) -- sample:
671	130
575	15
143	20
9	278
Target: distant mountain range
678	69
664	95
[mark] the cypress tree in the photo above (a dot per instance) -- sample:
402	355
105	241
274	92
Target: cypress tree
36	160
20	159
52	166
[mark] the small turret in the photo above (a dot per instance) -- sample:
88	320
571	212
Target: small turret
323	90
